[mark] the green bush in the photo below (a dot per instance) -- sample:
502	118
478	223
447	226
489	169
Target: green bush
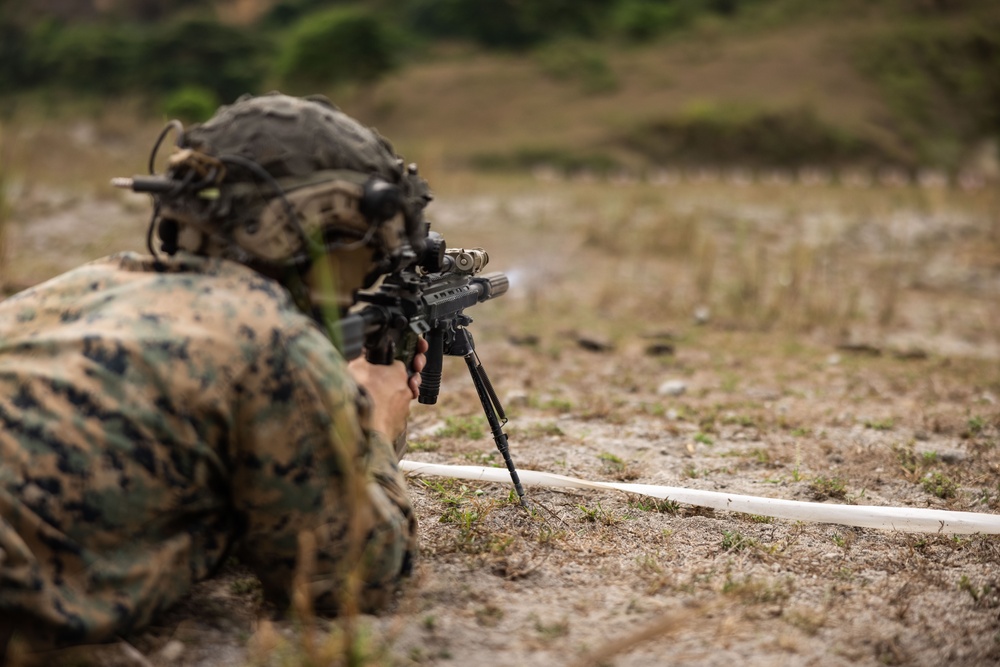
200	52
716	134
335	46
117	57
16	69
503	23
941	82
87	57
580	61
644	20
191	104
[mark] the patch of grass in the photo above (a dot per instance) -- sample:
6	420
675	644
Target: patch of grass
551	630
807	621
449	491
743	135
735	541
567	160
489	616
975	425
746	421
539	430
469	428
703	438
911	464
664	506
598	515
422	446
549	535
612	461
940	485
750	590
578	62
965	584
828	487
346	641
879	424
841	540
472	537
482	458
989	498
561	405
246	586
617	467
936	79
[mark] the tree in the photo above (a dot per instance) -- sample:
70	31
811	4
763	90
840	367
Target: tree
338	45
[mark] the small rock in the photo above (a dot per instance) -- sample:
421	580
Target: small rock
949	456
833	360
672	414
527	340
672	388
516	397
861	348
172	651
594	343
702	315
659	349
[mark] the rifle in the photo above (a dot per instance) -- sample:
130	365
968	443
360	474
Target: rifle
428	297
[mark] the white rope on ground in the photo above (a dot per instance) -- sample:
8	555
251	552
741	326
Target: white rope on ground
906	519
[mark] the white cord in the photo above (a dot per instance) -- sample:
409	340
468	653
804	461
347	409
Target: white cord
906	519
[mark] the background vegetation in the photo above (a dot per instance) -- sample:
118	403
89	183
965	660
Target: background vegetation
924	71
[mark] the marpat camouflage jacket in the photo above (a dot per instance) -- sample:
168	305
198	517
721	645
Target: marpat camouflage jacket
152	417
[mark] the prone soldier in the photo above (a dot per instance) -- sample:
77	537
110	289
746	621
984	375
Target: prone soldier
158	413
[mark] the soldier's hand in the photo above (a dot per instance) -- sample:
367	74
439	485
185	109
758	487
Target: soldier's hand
390	389
419	361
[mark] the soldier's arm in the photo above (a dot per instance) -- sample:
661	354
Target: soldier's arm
310	473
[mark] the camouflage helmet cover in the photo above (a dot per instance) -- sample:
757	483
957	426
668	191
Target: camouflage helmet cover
293	138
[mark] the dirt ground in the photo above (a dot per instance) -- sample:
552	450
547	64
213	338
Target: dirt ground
786	340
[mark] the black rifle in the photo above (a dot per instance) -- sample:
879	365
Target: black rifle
428	298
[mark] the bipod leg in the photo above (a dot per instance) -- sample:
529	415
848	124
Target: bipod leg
491	406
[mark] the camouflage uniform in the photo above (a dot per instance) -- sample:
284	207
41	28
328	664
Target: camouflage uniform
156	415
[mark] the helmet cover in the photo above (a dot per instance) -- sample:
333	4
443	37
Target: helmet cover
293	139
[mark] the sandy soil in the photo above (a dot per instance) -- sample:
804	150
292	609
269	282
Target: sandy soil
822	403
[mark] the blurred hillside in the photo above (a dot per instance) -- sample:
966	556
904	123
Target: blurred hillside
589	84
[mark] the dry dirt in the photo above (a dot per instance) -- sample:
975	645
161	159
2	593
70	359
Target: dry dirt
844	350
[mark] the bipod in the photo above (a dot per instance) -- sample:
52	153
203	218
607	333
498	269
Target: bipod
463	345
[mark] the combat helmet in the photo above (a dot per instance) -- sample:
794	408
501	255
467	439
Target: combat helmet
276	181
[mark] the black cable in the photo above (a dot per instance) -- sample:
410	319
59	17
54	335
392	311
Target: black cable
175	125
206	182
149	231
